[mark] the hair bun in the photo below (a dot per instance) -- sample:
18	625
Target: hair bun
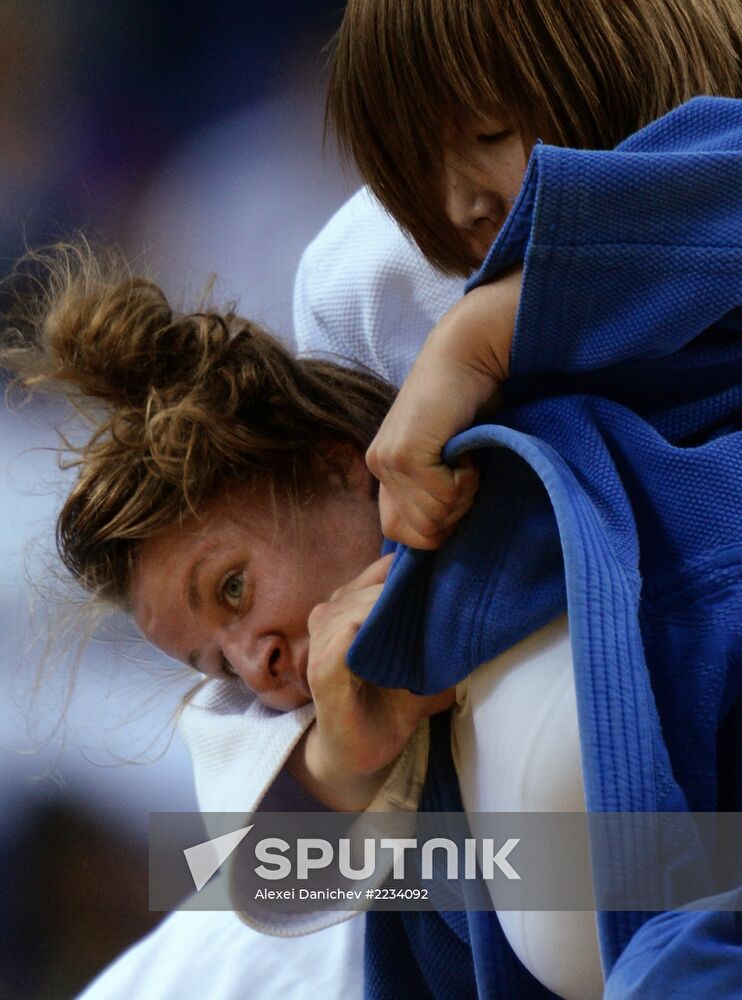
97	332
192	405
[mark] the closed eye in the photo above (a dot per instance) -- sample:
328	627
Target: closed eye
493	137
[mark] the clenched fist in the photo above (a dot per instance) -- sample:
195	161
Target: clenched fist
360	729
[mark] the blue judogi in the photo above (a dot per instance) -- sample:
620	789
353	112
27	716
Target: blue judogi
612	487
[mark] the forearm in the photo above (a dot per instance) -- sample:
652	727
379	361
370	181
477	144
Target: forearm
331	782
472	342
458	371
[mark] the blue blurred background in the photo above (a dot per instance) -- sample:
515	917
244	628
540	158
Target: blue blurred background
190	135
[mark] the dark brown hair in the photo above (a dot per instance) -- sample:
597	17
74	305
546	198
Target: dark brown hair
580	73
178	407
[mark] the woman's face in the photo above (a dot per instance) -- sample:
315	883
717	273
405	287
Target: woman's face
483	166
230	593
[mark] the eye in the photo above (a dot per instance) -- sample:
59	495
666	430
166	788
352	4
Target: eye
232	588
489	139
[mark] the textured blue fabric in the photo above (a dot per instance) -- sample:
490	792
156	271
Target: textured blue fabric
611	485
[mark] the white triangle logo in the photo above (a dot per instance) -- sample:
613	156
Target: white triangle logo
204	859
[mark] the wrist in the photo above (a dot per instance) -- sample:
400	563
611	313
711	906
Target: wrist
330	780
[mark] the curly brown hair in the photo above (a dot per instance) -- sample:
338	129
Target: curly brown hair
178	407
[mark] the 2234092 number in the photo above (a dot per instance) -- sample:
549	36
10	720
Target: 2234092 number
396	893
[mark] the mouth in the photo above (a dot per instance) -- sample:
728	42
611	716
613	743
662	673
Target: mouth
480	248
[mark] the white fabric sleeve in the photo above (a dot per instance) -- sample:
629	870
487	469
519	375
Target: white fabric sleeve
365	295
239	746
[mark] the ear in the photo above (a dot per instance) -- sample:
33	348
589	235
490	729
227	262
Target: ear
348	468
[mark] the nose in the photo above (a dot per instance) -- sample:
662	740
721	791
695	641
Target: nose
469	206
262	663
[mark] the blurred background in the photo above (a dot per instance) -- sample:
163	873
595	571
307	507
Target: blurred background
190	135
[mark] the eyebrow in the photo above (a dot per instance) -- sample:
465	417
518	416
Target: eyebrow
194	594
